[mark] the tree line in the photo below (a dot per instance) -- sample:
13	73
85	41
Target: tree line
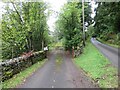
107	22
105	25
24	28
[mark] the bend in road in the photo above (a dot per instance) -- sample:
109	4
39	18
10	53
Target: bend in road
113	54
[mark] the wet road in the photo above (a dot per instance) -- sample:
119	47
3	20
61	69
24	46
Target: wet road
113	54
58	72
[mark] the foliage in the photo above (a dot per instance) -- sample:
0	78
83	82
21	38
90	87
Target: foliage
69	24
107	21
24	28
90	30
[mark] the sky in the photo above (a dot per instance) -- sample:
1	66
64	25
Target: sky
55	5
93	7
1	5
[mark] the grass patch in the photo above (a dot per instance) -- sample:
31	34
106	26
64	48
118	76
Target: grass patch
59	62
20	77
105	42
98	67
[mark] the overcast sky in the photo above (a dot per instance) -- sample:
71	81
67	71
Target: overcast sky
1	5
55	6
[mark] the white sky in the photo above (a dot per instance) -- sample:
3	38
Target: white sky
55	6
93	7
1	10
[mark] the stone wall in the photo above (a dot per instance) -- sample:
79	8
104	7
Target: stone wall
16	65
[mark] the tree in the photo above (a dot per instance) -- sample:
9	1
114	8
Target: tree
69	25
107	21
24	28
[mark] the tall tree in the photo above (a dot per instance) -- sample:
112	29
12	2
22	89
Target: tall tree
69	25
107	21
24	28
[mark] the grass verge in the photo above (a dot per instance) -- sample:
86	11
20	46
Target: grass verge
20	77
112	45
98	67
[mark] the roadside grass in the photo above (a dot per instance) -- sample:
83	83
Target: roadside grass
113	45
98	67
20	77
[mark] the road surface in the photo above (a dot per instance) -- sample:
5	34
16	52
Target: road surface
113	54
58	73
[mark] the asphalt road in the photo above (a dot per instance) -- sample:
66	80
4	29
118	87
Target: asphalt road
113	54
60	73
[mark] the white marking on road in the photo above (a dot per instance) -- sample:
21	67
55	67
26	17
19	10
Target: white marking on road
53	80
52	86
